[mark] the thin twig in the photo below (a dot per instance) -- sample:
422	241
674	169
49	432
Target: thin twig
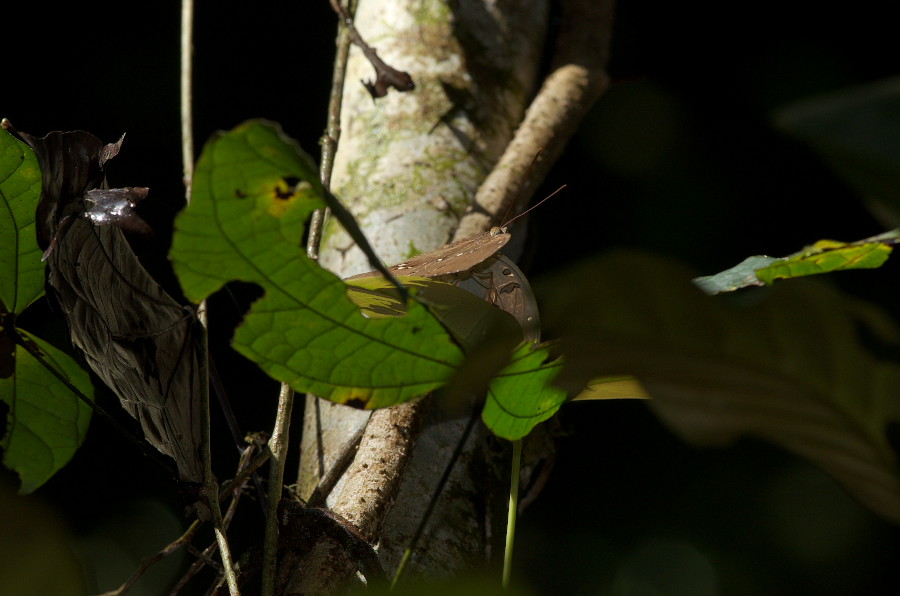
332	136
386	76
150	561
187	114
278	445
577	79
235	488
242	475
186	538
210	489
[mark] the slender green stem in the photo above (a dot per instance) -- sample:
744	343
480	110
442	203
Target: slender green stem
278	446
511	516
332	136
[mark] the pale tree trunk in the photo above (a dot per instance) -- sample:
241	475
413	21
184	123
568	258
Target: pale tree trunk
411	166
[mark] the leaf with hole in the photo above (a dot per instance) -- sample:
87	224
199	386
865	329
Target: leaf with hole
253	191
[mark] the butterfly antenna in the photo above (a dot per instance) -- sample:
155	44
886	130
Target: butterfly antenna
533	207
519	191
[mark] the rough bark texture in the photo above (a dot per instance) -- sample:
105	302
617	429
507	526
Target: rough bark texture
409	166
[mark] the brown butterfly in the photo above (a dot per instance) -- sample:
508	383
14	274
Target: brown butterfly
457	257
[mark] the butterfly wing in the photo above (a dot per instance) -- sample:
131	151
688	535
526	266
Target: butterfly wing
453	258
500	281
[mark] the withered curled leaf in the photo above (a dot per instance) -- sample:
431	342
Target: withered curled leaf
135	337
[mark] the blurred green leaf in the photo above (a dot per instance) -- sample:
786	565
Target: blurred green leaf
791	368
857	131
36	538
253	192
46	423
21	270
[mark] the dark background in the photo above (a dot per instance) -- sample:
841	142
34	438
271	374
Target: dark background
680	157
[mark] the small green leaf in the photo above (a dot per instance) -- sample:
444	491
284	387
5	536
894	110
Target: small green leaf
253	191
21	270
522	396
46	423
826	256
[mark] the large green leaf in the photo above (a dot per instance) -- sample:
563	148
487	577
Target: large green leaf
790	368
253	191
21	270
46	423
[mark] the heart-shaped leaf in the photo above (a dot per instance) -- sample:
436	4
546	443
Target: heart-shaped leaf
253	191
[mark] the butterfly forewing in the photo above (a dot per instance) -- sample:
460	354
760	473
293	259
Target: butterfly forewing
456	257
